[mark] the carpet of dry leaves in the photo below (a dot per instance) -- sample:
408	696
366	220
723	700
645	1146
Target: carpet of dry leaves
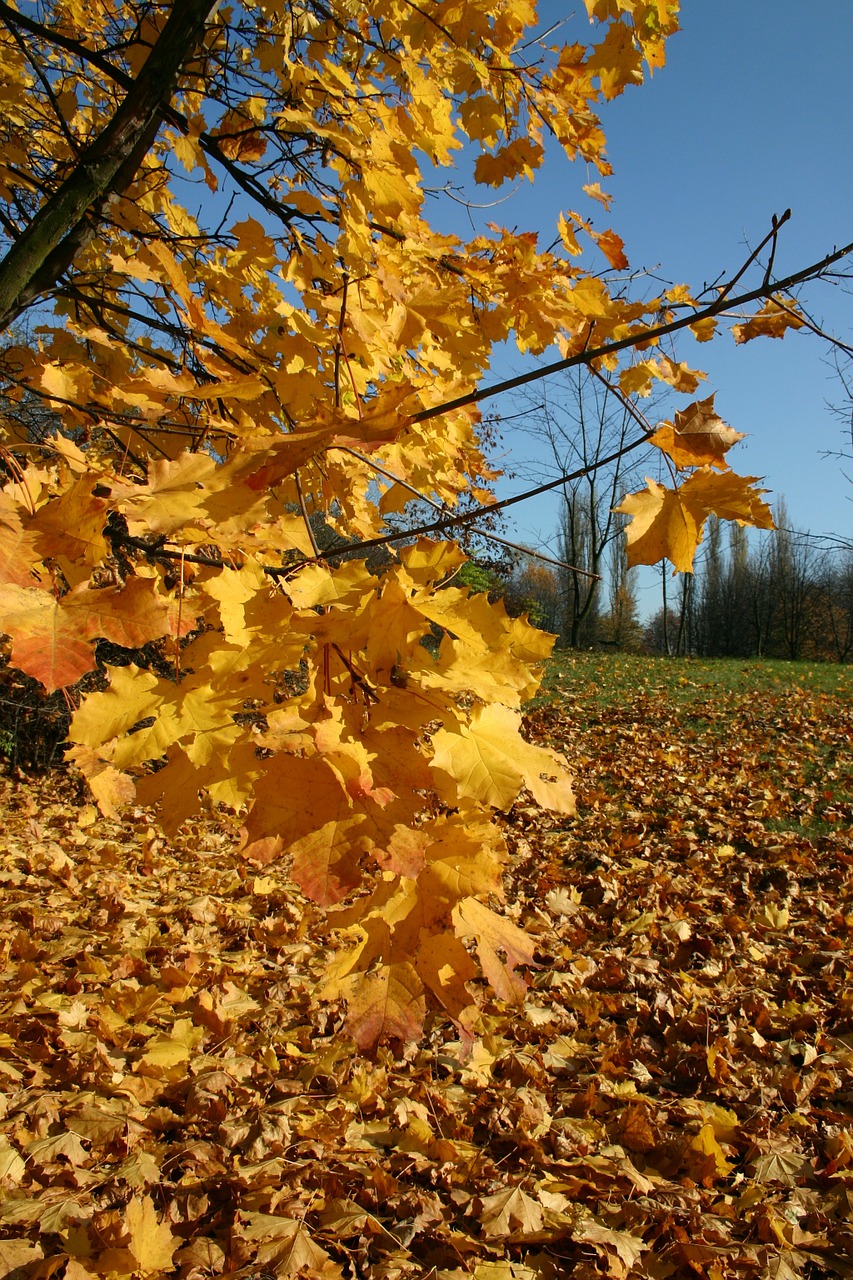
675	1098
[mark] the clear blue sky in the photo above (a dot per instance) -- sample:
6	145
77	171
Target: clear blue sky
752	114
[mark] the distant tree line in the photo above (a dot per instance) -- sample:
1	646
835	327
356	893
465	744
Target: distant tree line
586	607
789	596
785	596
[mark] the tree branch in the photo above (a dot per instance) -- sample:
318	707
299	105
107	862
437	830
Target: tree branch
104	163
720	304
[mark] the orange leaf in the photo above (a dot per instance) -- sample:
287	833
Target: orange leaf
612	247
51	639
386	1004
699	437
729	496
772	321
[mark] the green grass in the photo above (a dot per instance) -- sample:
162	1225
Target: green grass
784	726
612	679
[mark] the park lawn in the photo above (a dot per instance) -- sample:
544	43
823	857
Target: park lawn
674	1096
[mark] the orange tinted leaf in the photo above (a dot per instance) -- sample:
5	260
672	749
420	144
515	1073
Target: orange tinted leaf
19	553
501	946
613	249
300	804
699	437
51	639
386	1004
772	321
70	527
729	496
238	139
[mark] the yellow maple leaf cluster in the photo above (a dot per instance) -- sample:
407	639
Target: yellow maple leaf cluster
256	357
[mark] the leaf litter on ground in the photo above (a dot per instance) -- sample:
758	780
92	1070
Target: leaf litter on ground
674	1097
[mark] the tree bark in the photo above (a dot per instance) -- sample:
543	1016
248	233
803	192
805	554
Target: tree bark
107	166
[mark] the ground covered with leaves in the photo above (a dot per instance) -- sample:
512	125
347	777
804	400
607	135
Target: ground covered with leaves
675	1097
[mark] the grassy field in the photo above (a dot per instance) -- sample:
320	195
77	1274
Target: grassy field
612	678
785	722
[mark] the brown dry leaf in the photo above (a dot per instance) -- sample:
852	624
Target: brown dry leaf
510	1213
15	1255
628	1247
698	438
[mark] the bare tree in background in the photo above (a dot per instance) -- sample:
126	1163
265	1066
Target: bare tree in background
621	626
578	423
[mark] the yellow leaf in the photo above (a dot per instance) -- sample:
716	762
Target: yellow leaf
233	589
248	388
518	158
628	1247
489	761
775	916
390	191
617	59
495	936
12	1167
661	527
168	1051
704	330
151	1241
386	1004
637	378
567	235
711	1163
593	190
482	118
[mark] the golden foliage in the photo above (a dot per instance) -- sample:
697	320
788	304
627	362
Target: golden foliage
239	381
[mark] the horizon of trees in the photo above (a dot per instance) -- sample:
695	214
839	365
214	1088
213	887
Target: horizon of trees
783	595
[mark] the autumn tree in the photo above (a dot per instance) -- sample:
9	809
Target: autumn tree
214	229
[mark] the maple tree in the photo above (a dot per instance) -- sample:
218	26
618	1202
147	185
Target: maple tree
254	348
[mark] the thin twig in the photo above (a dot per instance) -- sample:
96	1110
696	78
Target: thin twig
305	516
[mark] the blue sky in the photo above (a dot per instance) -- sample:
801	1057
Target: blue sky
752	114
